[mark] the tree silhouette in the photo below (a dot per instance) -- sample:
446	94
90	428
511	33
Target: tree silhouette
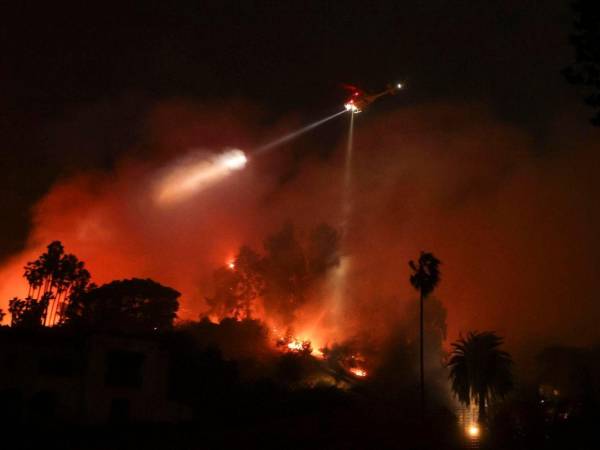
54	279
425	277
291	267
2	314
286	271
585	38
133	305
28	312
479	370
237	286
236	339
248	264
280	277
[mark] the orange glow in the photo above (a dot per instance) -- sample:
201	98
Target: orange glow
318	354
361	373
295	345
112	222
473	430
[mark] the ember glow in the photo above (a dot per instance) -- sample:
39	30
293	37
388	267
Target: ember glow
291	344
297	345
361	373
196	173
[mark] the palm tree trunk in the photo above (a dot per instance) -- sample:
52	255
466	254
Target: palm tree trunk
482	411
51	308
41	294
422	365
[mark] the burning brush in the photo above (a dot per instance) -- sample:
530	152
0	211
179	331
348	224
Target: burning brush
294	345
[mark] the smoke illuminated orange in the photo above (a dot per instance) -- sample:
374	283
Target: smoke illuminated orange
475	193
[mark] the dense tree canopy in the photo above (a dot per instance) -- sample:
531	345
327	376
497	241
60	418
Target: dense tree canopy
134	305
54	279
238	285
479	370
425	273
280	277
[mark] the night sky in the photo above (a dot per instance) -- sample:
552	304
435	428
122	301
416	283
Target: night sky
77	82
59	62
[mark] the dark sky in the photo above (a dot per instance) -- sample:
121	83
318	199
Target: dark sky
62	64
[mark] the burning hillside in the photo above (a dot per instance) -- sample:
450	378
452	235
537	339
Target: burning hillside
413	187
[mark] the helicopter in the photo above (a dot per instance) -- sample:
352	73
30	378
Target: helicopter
360	99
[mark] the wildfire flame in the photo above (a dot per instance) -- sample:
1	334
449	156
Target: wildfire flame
295	345
298	345
357	371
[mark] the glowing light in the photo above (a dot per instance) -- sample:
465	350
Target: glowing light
399	86
231	265
298	345
361	373
234	159
350	106
473	430
197	172
295	345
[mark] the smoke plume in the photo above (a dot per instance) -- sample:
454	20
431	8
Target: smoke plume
513	220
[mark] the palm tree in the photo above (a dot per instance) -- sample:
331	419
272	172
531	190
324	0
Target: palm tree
479	370
425	277
53	278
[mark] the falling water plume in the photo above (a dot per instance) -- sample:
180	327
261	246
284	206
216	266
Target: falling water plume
196	172
339	277
346	198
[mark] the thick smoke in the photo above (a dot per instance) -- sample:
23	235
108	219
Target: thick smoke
514	221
